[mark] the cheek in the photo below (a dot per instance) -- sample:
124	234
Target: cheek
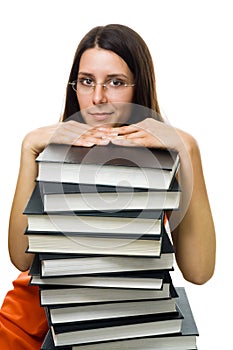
127	97
84	101
123	111
127	111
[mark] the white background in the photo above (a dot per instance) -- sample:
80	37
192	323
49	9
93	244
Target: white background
191	44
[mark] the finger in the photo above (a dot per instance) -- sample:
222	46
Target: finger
89	139
123	130
107	132
72	133
136	134
101	134
75	127
84	143
122	141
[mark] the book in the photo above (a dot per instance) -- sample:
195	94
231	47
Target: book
134	222
50	265
108	165
60	295
171	342
60	242
132	279
103	330
186	339
70	314
119	233
131	223
83	197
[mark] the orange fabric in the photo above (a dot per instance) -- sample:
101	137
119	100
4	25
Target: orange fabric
23	323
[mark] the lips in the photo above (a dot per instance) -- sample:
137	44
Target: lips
100	116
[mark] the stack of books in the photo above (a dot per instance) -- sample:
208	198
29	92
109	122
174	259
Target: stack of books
103	252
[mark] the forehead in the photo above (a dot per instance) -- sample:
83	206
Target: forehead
97	61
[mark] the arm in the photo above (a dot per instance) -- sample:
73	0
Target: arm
70	133
192	226
194	235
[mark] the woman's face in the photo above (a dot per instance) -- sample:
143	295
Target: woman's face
109	104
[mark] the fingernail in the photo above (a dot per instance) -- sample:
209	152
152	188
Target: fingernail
117	141
104	141
88	144
114	134
101	128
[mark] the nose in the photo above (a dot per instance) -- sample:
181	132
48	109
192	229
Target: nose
99	94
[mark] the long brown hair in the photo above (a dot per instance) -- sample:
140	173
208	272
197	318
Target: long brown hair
127	44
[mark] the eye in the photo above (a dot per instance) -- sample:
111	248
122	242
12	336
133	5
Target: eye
116	82
86	81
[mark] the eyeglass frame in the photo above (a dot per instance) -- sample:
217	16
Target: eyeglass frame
93	85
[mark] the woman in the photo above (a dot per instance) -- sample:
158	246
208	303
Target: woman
112	73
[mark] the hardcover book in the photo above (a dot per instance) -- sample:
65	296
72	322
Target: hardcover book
50	265
66	315
61	295
133	222
82	197
186	339
120	328
108	165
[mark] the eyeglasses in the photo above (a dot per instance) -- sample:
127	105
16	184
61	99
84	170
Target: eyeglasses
112	86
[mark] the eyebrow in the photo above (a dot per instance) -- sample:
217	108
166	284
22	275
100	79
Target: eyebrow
108	76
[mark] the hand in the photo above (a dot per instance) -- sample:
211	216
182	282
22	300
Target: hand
149	133
152	133
70	132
